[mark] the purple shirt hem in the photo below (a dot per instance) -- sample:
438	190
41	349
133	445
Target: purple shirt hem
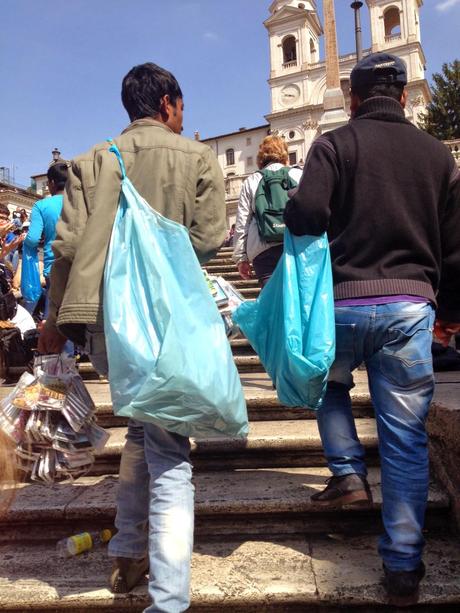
372	300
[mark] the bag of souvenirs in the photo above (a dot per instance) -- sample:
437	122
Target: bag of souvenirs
50	417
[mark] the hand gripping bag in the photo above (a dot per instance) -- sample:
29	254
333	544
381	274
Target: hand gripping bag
170	362
31	288
291	325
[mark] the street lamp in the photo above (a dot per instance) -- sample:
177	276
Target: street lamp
56	154
359	43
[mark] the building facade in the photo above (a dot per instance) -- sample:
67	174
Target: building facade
17	197
297	80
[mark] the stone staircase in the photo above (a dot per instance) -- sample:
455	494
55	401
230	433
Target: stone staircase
260	544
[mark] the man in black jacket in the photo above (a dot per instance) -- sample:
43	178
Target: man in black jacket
389	197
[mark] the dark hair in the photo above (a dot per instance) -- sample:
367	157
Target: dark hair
390	90
58	174
4	209
144	86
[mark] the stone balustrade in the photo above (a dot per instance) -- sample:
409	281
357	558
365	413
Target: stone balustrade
454	148
290	64
234	183
233	186
392	37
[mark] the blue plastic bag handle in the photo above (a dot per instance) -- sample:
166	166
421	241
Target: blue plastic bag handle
114	149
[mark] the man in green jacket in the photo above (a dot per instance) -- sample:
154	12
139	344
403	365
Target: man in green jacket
183	181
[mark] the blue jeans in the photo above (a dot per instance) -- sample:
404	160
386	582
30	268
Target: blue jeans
394	341
155	503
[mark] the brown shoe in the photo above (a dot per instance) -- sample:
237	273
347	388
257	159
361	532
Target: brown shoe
351	489
127	573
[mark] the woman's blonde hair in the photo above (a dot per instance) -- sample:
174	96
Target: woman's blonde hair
272	149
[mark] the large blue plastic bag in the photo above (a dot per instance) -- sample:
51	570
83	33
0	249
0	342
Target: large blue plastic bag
291	325
170	362
31	288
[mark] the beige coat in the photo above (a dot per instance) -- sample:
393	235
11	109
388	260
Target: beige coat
178	177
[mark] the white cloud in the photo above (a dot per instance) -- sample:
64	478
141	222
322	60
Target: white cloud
445	5
210	36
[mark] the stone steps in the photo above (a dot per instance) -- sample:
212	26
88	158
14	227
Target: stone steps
249	292
260	543
246	361
295	574
221	269
269	444
263	502
261	400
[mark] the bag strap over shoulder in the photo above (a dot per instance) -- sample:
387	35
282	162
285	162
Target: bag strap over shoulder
114	149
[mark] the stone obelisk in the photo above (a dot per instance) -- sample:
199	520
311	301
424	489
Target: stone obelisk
334	114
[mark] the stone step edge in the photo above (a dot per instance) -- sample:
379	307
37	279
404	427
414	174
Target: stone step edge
359	401
87	367
234	575
266	436
235	493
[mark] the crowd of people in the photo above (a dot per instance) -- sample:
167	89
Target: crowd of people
23	237
387	194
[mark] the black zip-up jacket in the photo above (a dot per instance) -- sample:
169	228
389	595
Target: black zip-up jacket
388	194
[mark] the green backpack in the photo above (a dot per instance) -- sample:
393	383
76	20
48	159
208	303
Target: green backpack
270	201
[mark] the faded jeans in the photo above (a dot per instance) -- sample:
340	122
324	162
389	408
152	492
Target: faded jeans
394	341
155	503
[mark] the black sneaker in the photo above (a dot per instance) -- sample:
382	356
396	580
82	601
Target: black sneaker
402	585
351	489
127	573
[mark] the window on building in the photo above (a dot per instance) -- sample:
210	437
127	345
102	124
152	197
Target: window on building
230	156
392	22
248	141
227	181
292	158
291	134
250	161
313	52
289	50
345	87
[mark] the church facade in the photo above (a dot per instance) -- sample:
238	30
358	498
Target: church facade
297	81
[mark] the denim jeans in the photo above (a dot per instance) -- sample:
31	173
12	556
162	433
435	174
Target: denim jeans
155	503
394	341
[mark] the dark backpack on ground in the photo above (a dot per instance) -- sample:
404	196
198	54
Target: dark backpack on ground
270	201
12	351
8	303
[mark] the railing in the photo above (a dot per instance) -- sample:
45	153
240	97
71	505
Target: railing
392	37
454	148
290	64
349	57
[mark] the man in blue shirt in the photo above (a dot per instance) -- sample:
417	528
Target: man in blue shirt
43	220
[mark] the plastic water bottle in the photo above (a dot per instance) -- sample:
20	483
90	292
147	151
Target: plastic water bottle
78	543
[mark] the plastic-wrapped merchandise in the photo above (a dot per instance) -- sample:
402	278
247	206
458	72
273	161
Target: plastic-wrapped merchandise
50	417
291	325
227	299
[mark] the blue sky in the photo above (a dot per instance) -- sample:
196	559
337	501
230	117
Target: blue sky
61	66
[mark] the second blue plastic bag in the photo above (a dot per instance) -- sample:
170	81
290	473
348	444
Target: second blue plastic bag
291	325
31	288
170	362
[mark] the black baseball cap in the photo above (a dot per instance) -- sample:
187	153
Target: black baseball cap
377	69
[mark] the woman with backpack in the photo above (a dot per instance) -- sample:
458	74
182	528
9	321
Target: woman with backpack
259	222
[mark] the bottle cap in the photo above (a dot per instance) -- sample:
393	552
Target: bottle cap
106	535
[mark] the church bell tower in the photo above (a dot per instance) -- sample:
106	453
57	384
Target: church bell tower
395	28
294	31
